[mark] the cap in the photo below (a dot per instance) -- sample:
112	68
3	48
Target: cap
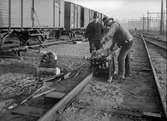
109	19
95	15
104	19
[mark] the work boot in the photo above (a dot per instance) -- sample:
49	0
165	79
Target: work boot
115	76
119	77
110	80
128	75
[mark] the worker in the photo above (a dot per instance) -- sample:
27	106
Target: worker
121	38
104	20
94	33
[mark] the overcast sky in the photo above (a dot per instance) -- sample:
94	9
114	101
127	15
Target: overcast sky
122	9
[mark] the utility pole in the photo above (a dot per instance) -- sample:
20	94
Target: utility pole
21	14
32	13
53	13
59	13
166	19
9	14
162	19
148	21
143	22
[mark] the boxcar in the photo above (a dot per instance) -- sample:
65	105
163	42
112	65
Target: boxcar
78	16
85	16
72	16
91	13
44	14
100	16
31	13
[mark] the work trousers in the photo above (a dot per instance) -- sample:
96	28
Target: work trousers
124	60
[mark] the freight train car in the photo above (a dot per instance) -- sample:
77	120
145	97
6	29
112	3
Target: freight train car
46	17
43	14
26	21
72	16
18	17
84	17
31	13
76	16
100	16
91	13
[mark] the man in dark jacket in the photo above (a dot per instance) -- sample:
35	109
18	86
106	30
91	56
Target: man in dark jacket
119	37
94	33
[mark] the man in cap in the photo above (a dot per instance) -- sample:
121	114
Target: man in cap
104	20
94	33
121	38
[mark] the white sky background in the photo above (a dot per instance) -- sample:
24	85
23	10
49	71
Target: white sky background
122	9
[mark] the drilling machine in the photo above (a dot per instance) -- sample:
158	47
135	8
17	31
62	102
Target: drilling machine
103	64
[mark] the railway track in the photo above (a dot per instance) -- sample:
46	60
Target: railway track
157	51
154	36
156	42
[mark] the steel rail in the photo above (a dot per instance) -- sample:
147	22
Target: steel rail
56	28
54	112
34	46
157	45
156	39
150	36
162	99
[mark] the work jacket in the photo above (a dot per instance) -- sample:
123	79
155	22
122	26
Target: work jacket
119	34
94	33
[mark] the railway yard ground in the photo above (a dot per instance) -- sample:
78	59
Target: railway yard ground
47	72
140	97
